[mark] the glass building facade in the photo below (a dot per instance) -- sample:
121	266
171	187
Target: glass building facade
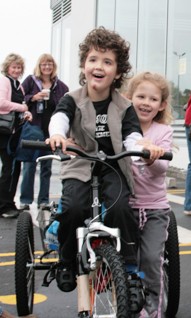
159	34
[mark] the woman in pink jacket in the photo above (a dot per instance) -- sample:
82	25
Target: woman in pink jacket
11	99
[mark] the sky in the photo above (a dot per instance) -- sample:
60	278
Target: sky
25	29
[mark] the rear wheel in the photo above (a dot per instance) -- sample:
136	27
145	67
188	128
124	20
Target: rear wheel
108	285
24	261
172	269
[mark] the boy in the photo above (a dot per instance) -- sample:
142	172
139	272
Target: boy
96	117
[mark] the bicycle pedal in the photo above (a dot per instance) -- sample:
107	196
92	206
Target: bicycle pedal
66	279
48	278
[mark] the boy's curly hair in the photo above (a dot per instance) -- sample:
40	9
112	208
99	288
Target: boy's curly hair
101	38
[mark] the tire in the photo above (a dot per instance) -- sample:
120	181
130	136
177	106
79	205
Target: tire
108	285
24	261
172	269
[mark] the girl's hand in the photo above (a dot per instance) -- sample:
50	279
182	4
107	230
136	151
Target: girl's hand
155	151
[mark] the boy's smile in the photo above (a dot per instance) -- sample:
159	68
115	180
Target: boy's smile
100	70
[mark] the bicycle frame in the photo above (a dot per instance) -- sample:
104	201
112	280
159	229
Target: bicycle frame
94	232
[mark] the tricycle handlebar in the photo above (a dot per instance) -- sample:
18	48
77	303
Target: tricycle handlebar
99	156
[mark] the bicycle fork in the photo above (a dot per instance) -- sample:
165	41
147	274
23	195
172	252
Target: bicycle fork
96	230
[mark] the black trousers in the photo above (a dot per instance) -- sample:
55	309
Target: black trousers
8	181
76	203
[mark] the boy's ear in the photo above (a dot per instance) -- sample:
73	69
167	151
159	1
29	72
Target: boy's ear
117	76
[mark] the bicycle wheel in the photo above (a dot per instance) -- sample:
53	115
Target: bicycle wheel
108	285
172	269
24	260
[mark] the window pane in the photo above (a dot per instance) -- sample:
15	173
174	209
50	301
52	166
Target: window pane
179	57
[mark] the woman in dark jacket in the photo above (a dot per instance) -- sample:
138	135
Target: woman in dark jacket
41	104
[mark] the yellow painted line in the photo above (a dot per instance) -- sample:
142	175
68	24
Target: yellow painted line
7	263
176	190
185	252
48	260
185	244
11	299
6	254
13	253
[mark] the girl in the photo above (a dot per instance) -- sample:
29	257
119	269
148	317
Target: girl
150	95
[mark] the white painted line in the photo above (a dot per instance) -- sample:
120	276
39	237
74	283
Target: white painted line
175	199
184	235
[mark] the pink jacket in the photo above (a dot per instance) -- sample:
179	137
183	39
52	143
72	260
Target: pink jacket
5	98
149	181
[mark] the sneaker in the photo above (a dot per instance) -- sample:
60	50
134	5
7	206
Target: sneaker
25	207
187	212
66	278
51	241
10	214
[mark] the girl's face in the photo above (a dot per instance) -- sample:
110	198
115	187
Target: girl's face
100	70
15	70
147	102
46	68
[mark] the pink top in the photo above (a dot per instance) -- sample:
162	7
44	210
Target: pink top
150	185
5	98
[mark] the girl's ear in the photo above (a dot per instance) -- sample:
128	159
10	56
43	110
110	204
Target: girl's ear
163	105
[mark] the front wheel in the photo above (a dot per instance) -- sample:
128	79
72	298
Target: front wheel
24	261
108	285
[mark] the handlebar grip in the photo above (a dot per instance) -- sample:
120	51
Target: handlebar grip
167	155
35	145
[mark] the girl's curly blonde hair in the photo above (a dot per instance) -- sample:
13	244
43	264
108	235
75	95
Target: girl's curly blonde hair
165	116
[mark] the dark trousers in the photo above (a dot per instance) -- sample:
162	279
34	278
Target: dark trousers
76	203
8	181
27	185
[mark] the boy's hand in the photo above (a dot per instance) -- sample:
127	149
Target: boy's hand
59	141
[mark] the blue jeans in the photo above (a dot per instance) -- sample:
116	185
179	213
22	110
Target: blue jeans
27	185
187	201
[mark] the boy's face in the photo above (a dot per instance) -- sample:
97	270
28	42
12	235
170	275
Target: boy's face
100	71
